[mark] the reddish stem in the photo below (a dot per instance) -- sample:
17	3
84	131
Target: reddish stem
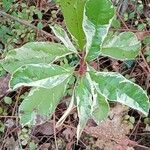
82	66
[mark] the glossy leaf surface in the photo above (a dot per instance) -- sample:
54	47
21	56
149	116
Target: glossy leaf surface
124	46
62	35
117	88
83	98
98	15
99	105
39	75
100	109
39	105
32	53
73	14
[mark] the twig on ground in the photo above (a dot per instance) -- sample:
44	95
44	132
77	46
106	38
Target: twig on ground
13	113
147	66
54	126
8	116
132	30
26	23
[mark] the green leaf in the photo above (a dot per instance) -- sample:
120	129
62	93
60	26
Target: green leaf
62	35
73	14
124	46
84	99
40	25
40	15
116	23
32	53
8	100
40	75
100	109
39	105
117	88
98	15
100	106
7	4
146	40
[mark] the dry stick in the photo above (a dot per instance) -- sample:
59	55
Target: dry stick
13	113
147	65
26	23
15	109
142	134
123	21
138	15
54	127
144	69
132	30
141	146
9	117
136	126
17	100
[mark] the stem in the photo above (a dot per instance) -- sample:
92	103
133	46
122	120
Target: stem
83	66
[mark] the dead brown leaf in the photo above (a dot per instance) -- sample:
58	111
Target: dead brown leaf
69	134
45	129
11	144
112	132
141	35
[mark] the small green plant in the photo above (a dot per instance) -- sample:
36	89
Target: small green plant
36	65
13	33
